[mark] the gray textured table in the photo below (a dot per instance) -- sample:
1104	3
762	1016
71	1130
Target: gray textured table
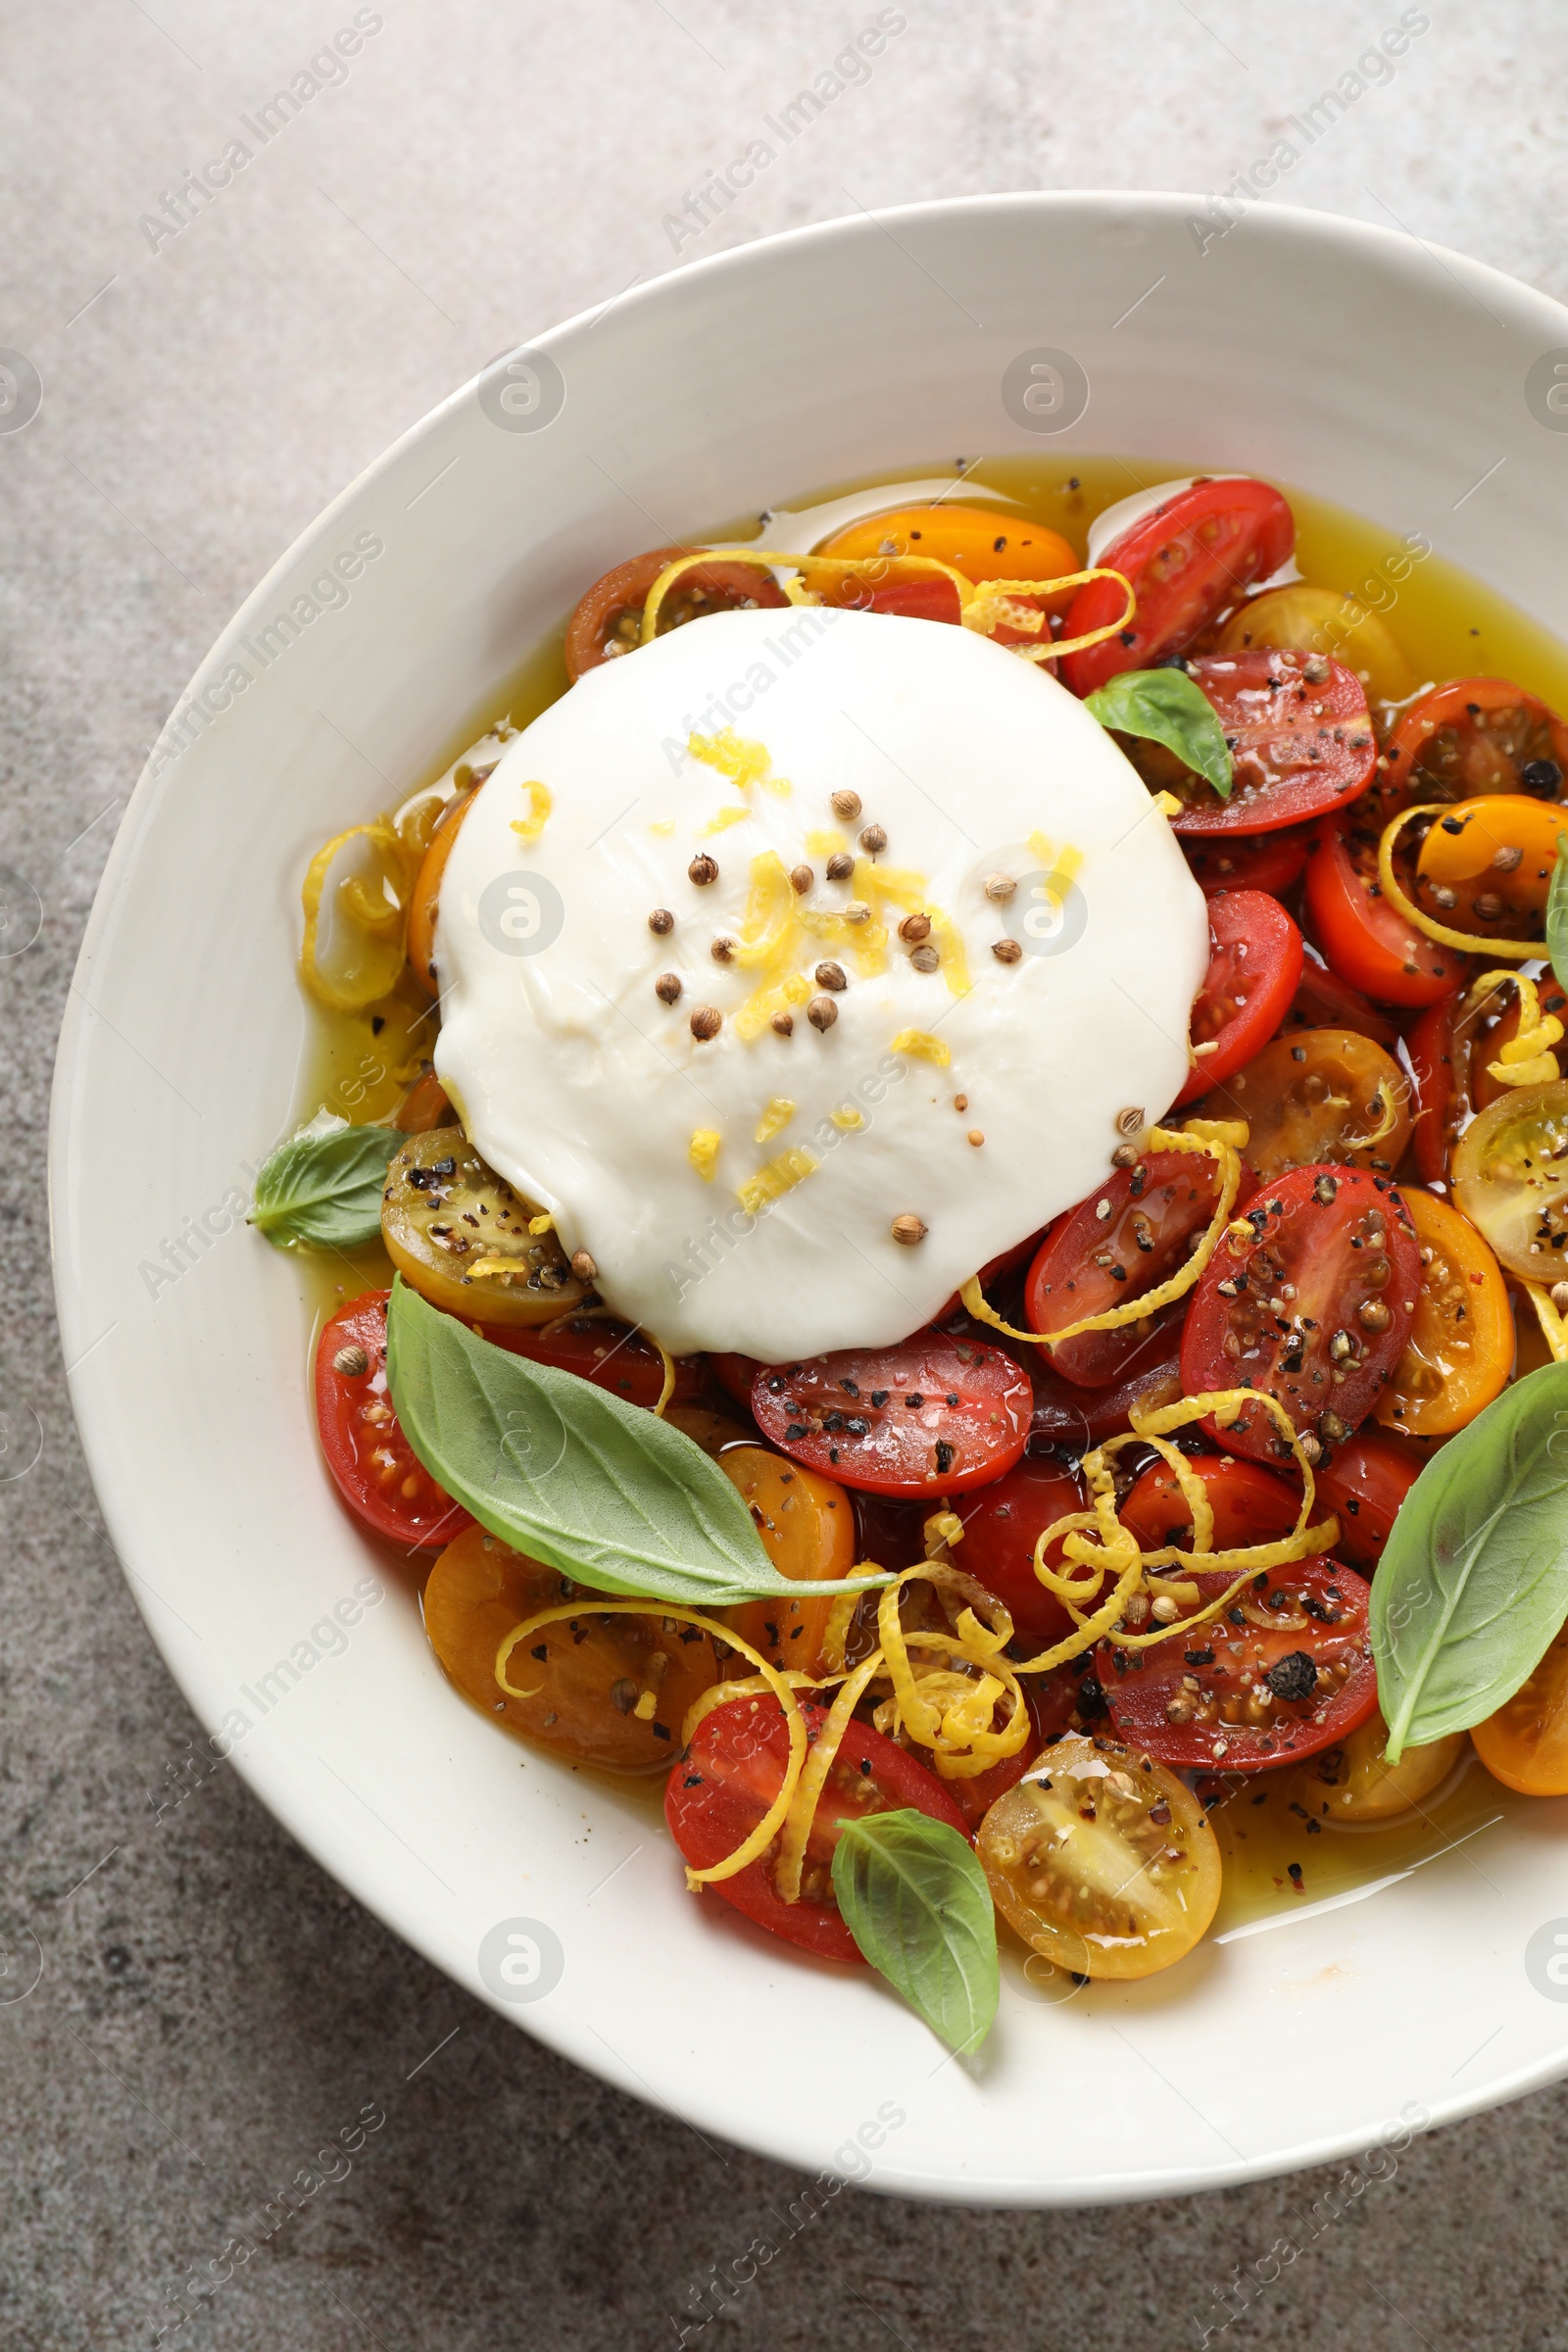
208	2000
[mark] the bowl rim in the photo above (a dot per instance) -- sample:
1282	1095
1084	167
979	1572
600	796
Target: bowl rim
1291	224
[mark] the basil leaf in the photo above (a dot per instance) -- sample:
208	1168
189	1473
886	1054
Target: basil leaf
1558	915
914	1898
1169	707
325	1188
572	1475
1473	1585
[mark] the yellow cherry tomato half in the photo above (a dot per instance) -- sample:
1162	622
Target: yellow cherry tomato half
1510	1179
1525	1744
1316	1094
606	1691
1506	841
461	1237
1354	1780
806	1524
1459	1354
977	540
1102	1860
1325	620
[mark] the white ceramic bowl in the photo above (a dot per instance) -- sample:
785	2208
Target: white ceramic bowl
1340	358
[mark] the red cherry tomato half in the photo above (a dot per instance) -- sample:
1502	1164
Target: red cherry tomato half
931	597
1363	1483
608	619
1270	861
1452	1049
1251	1506
1091	1262
1366	941
1186	561
932	1416
1314	1308
732	1772
1323	1001
608	1352
1254	964
735	1375
1073	1419
1287	1670
995	1270
377	1474
1301	744
999	1533
1475	736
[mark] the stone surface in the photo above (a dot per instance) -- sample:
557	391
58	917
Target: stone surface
211	2006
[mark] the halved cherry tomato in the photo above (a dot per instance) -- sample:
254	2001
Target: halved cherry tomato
808	1529
1254	962
461	1235
735	1375
585	1676
731	1774
1287	1670
1089	1263
1486	868
932	1416
1362	1481
1315	1307
609	621
1354	1781
1365	940
1459	1354
1478	735
601	1348
1251	1506
1510	1179
426	892
1072	1419
1317	1095
979	540
1323	1001
1188	558
1270	861
1104	1862
995	1270
426	1106
1525	1744
915	596
1324	620
1452	1049
377	1474
1000	1531
1300	744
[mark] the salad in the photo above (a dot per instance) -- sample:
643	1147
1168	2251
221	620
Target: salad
979	1277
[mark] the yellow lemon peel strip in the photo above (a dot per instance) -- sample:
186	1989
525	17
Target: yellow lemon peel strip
1527	1059
1553	1328
540	802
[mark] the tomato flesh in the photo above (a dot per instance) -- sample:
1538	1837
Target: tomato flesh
1451	1048
999	1533
1323	1001
1285	1671
1476	736
378	1476
1250	1505
608	619
1366	941
1089	1262
606	1351
1363	1481
731	1774
1315	1095
1254	964
1270	861
1300	744
935	1416
1188	560
1525	1744
1460	1352
1313	1306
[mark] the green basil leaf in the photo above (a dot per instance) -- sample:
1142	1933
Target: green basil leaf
1172	708
1558	915
914	1898
325	1188
572	1475
1473	1585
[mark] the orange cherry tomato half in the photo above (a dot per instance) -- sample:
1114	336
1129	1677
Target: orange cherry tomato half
979	540
1001	1529
1254	962
1089	1262
935	1416
1287	1670
426	892
1300	744
1186	561
730	1776
1474	736
379	1476
1525	1743
609	621
1313	1308
1250	1505
1366	941
424	1106
1460	1350
808	1529
1362	1481
1270	861
1316	1096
